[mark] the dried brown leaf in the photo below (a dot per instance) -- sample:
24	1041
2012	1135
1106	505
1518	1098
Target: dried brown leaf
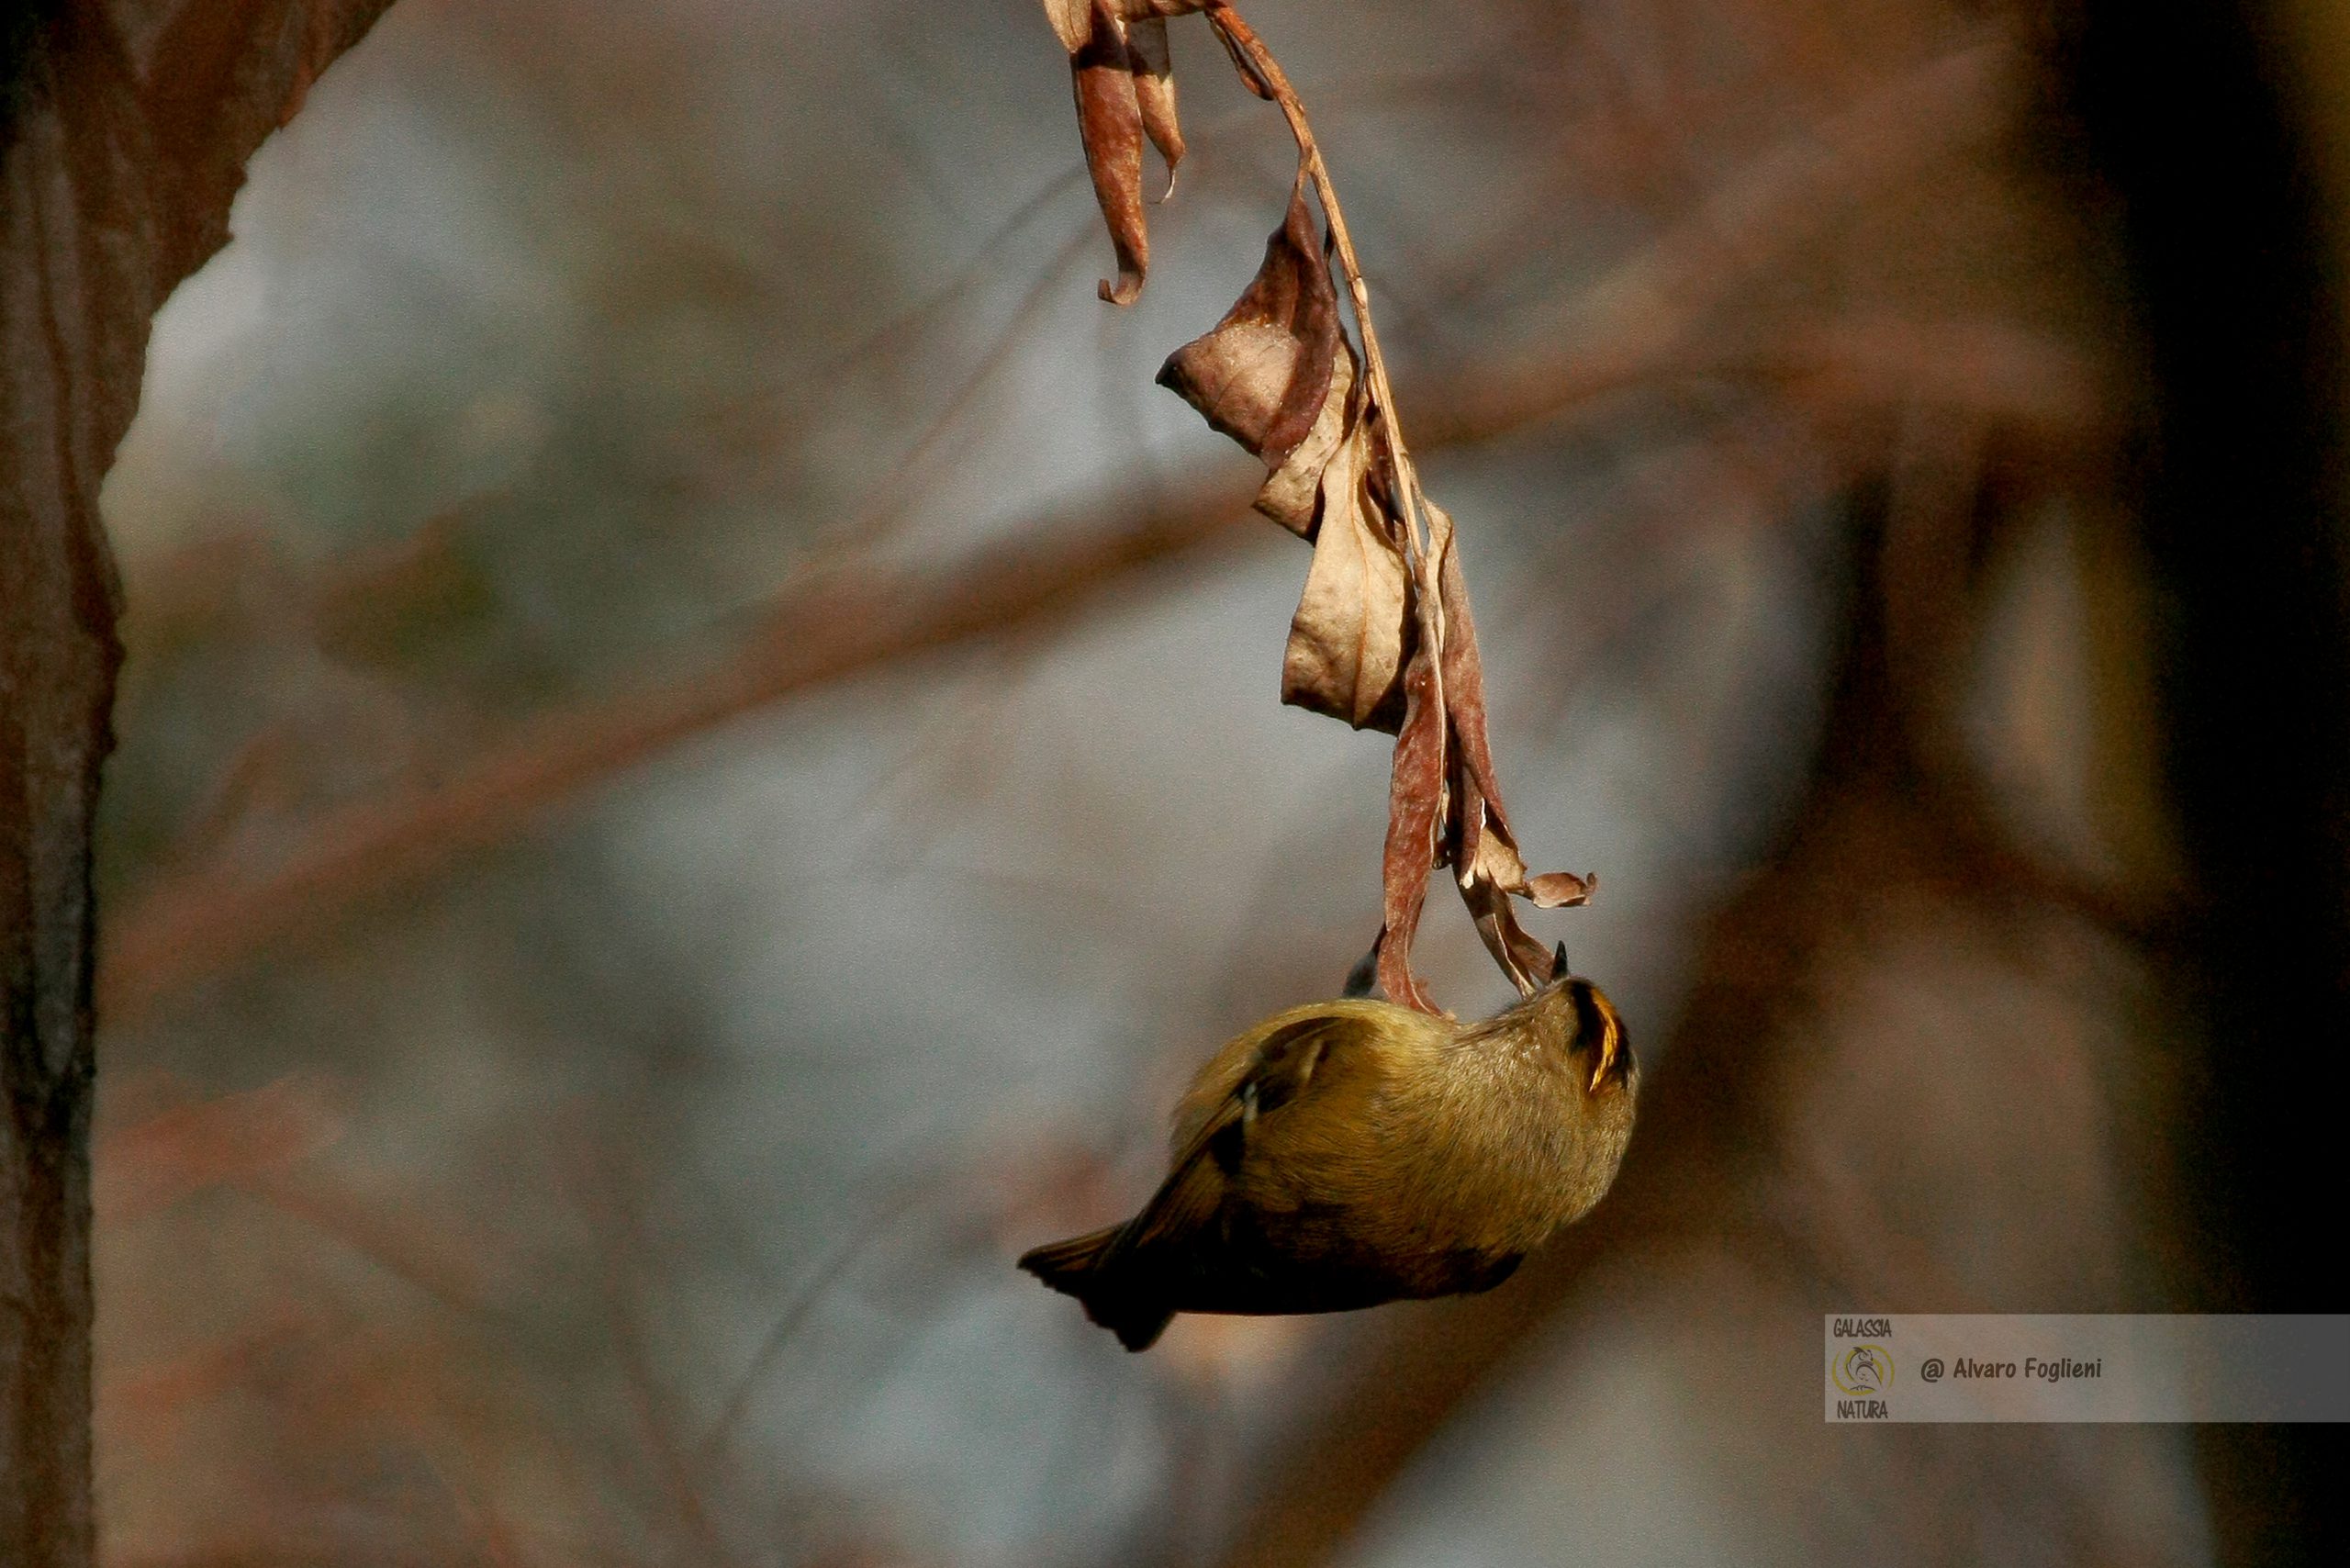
1348	641
1415	806
1277	375
1154	72
1263	374
1464	670
1293	489
1558	890
1486	856
1072	22
1109	121
1126	90
1489	870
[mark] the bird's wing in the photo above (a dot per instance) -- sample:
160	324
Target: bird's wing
1283	1070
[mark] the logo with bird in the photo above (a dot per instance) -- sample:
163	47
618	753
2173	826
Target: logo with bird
1863	1369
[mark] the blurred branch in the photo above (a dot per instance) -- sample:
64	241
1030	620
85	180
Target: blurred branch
623	1254
888	508
851	623
1637	323
1645	314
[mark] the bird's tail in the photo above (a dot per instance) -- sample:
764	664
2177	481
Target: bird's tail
1095	1270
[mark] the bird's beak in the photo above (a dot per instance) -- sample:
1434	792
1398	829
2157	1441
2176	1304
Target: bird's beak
1611	1037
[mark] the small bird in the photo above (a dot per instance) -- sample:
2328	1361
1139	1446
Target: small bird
1353	1152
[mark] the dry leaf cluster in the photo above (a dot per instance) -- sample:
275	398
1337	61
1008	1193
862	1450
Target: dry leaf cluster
1382	637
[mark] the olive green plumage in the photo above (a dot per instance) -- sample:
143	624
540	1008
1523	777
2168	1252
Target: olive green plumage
1353	1152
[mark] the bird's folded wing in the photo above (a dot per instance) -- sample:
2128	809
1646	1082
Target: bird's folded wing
1282	1072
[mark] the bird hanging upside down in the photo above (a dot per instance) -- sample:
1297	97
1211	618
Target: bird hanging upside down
1354	1152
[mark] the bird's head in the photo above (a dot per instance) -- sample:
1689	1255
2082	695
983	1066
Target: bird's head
1586	1023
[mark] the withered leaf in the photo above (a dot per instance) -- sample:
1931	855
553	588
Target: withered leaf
1488	870
1126	90
1263	374
1072	21
1416	807
1348	641
1109	121
1154	73
1492	871
1486	856
1291	491
1558	890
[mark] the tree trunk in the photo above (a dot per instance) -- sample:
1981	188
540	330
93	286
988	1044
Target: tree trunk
124	130
2246	488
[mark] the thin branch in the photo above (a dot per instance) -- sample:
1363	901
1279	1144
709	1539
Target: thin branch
206	923
850	625
1646	311
784	1328
890	507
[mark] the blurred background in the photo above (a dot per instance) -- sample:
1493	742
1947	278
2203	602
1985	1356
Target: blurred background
699	761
